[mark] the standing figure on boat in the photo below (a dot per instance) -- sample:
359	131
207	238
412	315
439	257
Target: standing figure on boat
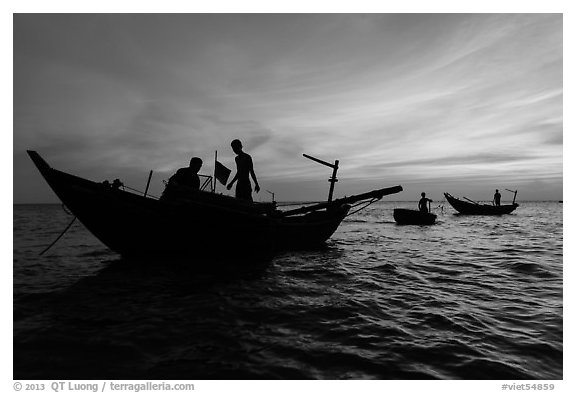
244	169
423	203
497	197
184	179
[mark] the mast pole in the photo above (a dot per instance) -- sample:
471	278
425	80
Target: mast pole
214	178
333	180
148	183
515	192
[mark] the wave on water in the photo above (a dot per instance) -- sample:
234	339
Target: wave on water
471	298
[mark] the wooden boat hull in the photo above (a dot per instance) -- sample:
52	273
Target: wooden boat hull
469	208
206	227
310	230
413	217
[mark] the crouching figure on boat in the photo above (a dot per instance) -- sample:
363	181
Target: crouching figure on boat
184	180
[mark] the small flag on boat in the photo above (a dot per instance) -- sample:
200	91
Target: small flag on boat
221	173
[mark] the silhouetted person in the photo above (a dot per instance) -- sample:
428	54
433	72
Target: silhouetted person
244	169
423	203
116	184
184	178
497	197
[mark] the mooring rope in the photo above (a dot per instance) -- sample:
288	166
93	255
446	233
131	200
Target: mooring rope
58	238
66	210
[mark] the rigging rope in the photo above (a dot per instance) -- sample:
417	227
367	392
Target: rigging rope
140	192
296	203
365	203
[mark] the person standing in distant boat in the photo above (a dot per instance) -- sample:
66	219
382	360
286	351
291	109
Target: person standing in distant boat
184	177
497	197
423	203
244	170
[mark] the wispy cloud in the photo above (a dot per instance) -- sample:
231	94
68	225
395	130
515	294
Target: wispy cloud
391	96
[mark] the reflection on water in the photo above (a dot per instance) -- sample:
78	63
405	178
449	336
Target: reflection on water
468	298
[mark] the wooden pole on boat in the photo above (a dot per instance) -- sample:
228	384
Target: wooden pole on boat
148	184
271	193
215	160
515	192
333	179
375	194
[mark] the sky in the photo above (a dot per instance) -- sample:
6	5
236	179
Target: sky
458	103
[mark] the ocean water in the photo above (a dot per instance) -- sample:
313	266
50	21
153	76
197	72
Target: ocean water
469	298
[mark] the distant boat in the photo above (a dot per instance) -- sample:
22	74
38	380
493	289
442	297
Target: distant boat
203	227
413	217
471	207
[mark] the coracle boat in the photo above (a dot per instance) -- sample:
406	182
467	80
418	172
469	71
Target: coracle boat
203	226
474	208
413	217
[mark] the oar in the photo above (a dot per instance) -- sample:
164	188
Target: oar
476	203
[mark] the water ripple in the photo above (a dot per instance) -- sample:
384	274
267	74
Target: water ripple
470	298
